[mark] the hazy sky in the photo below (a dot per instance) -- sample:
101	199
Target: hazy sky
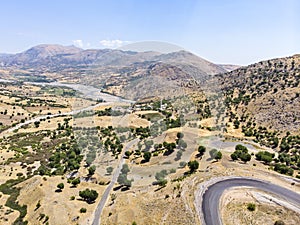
222	31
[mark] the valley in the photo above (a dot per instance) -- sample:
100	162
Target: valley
122	137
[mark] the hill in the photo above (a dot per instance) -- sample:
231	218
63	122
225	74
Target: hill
116	71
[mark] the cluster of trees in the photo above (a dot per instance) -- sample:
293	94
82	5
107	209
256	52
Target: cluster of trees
109	112
122	179
265	156
203	109
74	181
142	132
88	195
181	144
215	154
66	157
283	169
241	152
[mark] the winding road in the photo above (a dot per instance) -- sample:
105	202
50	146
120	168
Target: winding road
207	203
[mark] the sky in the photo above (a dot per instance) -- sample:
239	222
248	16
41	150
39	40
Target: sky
222	31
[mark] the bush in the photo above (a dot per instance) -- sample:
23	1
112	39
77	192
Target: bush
182	164
147	156
109	170
193	165
218	155
88	195
92	170
251	207
60	186
83	210
201	150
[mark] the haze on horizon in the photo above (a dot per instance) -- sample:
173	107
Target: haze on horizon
235	32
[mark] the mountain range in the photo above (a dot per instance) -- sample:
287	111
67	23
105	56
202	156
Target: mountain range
249	91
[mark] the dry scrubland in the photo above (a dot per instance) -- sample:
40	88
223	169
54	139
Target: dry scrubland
38	156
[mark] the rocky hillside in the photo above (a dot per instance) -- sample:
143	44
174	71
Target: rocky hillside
261	101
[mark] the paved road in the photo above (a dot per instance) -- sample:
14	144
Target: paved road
211	197
19	125
87	91
104	197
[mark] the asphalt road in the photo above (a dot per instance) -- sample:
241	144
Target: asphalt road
211	197
104	197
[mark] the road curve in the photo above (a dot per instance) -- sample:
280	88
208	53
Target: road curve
208	206
104	197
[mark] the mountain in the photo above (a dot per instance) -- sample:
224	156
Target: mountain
71	56
265	93
116	71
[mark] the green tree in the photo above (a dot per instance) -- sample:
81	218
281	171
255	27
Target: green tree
193	165
201	150
218	155
180	135
92	170
88	195
182	144
125	169
234	156
109	170
147	156
60	186
178	155
245	157
75	181
182	164
83	210
123	180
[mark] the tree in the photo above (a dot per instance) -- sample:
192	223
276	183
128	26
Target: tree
36	124
109	170
236	124
83	210
182	164
127	154
180	135
60	186
193	165
182	144
92	170
234	156
75	181
201	150
178	155
88	195
125	169
245	157
123	180
218	155
147	156
160	177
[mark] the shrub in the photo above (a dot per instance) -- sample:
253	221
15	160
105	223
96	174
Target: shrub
83	210
251	207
